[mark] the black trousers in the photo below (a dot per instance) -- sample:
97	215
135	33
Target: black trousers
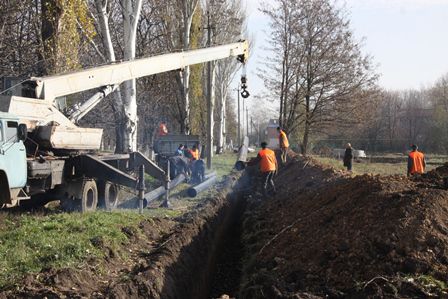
267	179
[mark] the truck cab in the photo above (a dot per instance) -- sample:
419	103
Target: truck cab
13	163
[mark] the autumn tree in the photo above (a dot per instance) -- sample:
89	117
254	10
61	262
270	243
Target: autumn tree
229	17
324	79
64	23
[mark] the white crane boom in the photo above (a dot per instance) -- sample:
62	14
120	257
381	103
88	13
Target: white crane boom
55	130
49	88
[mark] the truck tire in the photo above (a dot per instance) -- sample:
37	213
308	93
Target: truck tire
108	195
89	196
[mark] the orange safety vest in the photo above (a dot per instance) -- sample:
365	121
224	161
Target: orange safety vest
417	162
194	154
284	143
268	161
163	130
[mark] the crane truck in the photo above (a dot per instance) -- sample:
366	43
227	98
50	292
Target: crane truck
44	153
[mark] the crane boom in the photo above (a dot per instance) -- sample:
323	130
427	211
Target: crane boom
55	130
51	87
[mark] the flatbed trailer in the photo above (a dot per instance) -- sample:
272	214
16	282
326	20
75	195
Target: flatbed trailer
86	181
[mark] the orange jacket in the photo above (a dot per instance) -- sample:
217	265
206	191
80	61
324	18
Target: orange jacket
268	161
163	130
194	154
416	162
283	139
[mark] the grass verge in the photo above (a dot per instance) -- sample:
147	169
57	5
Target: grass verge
29	244
364	166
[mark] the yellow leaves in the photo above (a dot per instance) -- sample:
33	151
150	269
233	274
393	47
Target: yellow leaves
73	27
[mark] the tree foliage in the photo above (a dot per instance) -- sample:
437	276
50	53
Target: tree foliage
319	73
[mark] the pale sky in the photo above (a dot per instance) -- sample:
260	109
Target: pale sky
408	39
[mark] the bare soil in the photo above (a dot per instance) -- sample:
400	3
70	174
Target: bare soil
327	234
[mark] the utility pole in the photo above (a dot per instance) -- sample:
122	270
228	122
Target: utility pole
242	119
209	146
239	117
247	122
251	126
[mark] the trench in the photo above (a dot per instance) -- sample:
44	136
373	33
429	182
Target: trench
227	270
209	265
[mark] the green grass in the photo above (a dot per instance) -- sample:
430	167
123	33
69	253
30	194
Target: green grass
366	167
29	244
224	163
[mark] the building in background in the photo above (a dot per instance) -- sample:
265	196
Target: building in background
272	134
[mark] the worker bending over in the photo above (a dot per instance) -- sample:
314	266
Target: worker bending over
268	167
416	161
284	143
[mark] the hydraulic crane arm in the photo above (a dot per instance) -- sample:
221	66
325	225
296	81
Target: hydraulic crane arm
49	88
58	131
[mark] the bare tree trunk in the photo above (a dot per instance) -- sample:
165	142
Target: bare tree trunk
306	133
212	104
103	15
51	18
188	9
131	15
222	118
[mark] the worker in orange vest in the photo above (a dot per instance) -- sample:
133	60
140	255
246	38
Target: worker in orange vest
283	142
163	129
416	161
268	166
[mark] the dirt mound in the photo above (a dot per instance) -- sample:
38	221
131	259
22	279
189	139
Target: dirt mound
436	178
328	234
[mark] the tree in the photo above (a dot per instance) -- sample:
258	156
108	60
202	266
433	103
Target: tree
62	24
228	16
126	106
325	76
438	97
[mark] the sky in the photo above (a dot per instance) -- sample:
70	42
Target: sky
407	39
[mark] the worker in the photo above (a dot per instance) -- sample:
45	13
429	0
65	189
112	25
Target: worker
180	150
268	167
163	129
284	143
194	153
416	161
187	152
197	171
348	157
179	165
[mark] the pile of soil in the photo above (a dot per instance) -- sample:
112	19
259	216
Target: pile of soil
329	234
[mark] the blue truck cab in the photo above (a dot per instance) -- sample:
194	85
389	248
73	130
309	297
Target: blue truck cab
13	162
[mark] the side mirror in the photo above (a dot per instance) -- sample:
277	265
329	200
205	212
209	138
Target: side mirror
22	132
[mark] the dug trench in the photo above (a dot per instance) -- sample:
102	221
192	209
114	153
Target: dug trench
325	234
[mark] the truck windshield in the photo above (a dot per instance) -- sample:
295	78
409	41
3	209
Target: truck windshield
11	131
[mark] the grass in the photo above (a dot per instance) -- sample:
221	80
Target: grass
223	163
29	244
366	167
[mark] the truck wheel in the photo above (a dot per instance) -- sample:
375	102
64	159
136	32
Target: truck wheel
108	195
89	196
